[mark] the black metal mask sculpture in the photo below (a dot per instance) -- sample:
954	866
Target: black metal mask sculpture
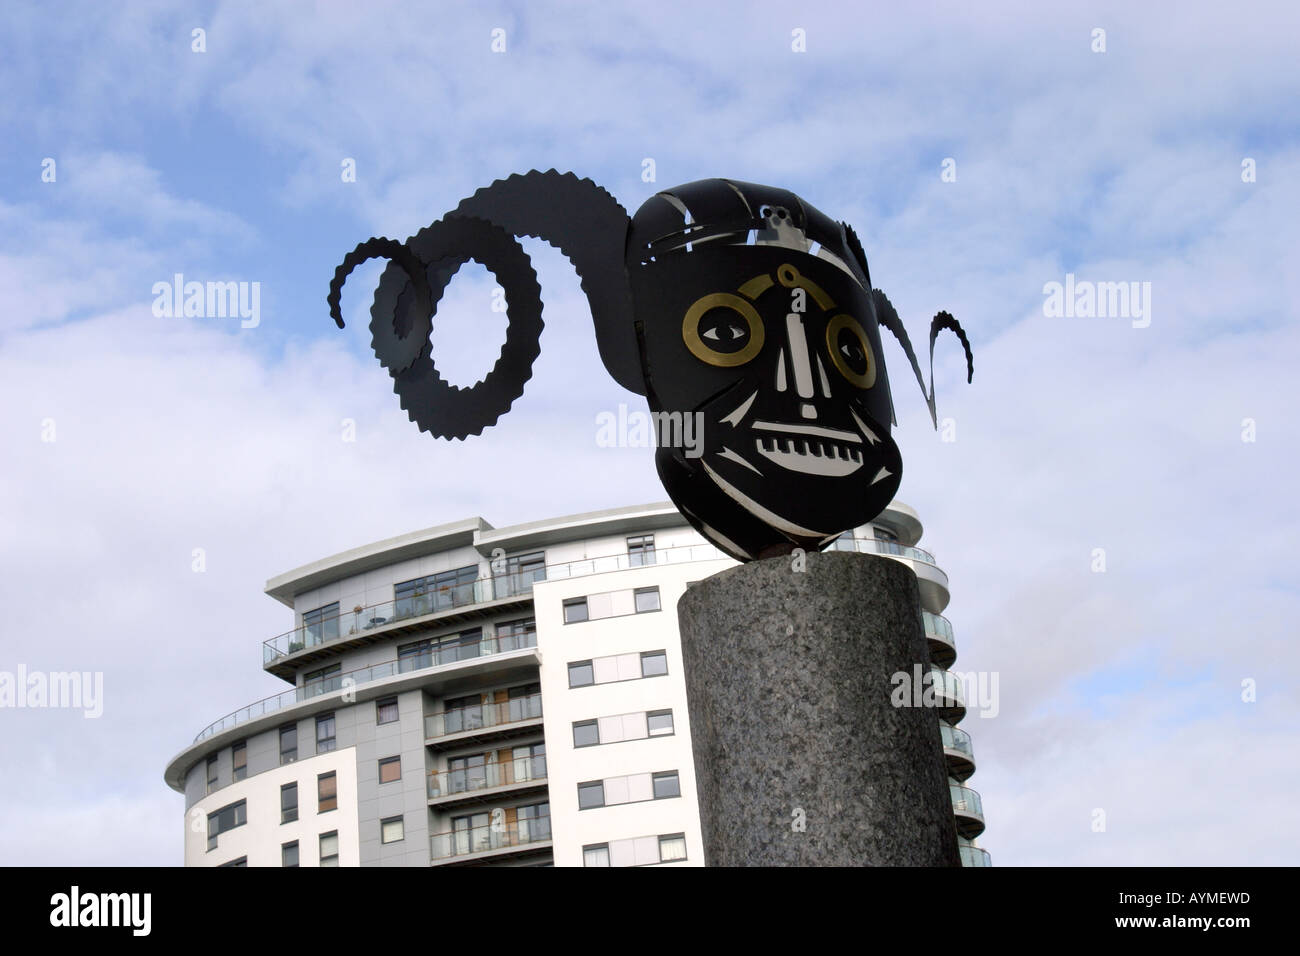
736	303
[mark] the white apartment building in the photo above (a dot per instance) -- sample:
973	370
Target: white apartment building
508	696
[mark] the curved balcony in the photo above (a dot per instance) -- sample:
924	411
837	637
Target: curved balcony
491	841
968	809
972	855
281	655
948	696
958	752
938	635
486	781
436	657
483	722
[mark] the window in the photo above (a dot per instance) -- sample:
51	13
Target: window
597	855
659	723
654	663
327	792
666	785
581	674
288	744
437	592
391	830
242	861
529	762
672	847
289	802
647	599
325	741
512	635
322	681
239	759
591	794
887	542
212	773
521	571
471	833
329	848
845	542
289	854
586	733
884	534
575	610
319	626
412	657
468	773
386	710
390	769
641	550
525	701
227	818
533	822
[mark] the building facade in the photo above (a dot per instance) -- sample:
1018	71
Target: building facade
508	696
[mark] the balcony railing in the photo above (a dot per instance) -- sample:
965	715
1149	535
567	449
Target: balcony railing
966	801
483	716
947	685
489	836
877	546
956	739
437	655
974	855
936	625
354	622
449	783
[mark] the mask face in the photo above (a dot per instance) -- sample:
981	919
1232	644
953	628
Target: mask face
769	357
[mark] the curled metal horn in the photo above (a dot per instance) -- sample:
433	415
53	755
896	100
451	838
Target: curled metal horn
584	221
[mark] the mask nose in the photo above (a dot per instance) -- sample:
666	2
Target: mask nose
801	367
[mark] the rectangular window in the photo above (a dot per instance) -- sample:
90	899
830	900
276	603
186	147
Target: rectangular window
586	733
437	592
666	785
212	773
289	802
329	848
390	770
845	542
513	635
591	794
525	702
463	647
322	681
386	710
471	834
413	657
320	626
227	818
239	759
327	792
641	550
654	663
288	744
289	854
241	862
659	723
534	822
575	610
462	713
672	847
325	741
529	762
647	599
468	773
581	674
597	855
392	830
520	573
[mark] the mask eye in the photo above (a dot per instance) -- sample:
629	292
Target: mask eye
850	351
723	330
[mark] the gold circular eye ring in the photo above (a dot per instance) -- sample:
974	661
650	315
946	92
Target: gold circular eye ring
833	329
722	300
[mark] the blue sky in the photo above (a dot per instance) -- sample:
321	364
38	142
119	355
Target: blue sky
1120	690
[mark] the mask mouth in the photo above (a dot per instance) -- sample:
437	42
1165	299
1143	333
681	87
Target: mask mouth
809	449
